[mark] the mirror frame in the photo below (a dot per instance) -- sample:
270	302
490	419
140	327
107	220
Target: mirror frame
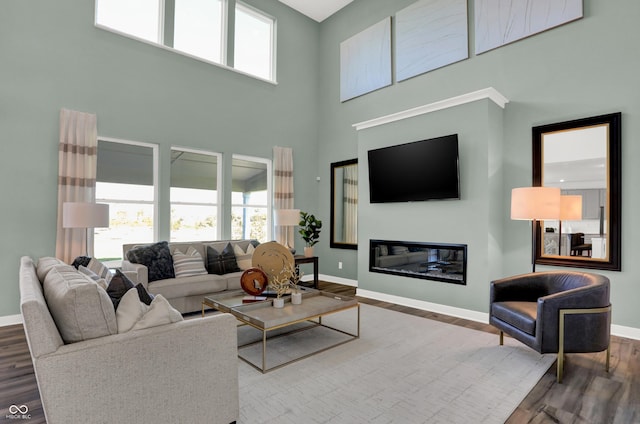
332	241
613	263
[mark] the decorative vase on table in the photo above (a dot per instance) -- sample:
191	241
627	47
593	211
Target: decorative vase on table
296	298
310	231
278	302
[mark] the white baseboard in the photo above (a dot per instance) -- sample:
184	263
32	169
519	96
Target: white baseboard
426	306
10	320
616	330
338	280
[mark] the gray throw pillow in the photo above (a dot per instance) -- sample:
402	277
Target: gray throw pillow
156	257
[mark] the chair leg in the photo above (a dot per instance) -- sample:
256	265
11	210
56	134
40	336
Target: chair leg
608	356
501	338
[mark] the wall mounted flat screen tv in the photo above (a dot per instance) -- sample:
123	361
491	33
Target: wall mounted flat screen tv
421	170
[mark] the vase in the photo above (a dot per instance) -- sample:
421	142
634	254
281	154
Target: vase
278	302
308	251
296	298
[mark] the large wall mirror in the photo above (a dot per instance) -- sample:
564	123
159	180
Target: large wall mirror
344	204
582	158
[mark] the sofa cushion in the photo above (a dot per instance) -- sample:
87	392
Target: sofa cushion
172	288
135	315
221	259
188	264
45	265
80	308
521	315
156	257
243	257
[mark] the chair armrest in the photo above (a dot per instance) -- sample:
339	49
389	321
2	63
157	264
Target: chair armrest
140	271
181	372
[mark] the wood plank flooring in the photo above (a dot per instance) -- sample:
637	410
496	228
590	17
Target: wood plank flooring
588	394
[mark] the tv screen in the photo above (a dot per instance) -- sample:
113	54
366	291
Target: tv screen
421	170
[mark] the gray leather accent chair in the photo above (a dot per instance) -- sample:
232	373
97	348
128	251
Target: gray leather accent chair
554	312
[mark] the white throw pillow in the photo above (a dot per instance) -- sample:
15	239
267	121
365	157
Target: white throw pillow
243	259
135	315
186	265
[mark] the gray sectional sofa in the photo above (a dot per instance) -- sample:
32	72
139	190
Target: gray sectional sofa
89	372
185	293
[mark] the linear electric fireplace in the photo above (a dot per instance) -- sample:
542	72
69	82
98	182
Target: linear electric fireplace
430	261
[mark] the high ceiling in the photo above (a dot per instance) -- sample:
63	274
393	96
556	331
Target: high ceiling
318	10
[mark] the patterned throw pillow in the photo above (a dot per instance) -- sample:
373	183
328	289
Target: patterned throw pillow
221	262
156	257
100	269
243	258
189	264
95	277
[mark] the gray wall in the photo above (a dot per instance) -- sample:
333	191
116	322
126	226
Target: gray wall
582	69
54	57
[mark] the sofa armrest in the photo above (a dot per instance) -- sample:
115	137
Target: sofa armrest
140	271
181	372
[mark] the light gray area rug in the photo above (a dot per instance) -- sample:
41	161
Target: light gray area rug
402	369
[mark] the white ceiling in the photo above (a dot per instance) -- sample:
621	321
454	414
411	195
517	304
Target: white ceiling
318	10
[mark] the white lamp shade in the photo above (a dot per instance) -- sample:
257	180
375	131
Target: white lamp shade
571	208
85	215
539	203
287	217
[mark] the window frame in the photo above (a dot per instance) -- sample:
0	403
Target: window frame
269	205
219	186
265	17
156	178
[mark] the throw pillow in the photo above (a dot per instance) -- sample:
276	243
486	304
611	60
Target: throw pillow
117	288
156	257
188	264
135	315
243	258
81	260
95	277
99	268
399	250
222	262
120	284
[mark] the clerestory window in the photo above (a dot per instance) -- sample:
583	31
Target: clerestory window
199	29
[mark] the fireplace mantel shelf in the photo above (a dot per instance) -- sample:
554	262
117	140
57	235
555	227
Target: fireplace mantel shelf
486	93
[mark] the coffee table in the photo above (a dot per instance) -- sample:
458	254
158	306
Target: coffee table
265	318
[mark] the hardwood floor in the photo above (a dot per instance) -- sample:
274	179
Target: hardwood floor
588	394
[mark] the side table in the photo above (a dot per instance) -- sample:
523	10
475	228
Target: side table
301	259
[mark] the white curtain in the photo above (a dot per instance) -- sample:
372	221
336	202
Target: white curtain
350	190
77	161
283	188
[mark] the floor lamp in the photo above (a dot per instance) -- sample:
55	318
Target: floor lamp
570	210
85	215
287	218
535	204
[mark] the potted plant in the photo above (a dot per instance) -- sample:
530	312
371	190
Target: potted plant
310	231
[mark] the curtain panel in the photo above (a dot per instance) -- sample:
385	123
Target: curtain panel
283	188
77	162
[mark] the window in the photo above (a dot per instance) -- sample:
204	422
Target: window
195	179
140	18
253	42
250	197
126	180
198	28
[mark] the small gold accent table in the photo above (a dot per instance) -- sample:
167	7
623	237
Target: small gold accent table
265	318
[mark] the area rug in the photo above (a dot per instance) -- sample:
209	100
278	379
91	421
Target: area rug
402	369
